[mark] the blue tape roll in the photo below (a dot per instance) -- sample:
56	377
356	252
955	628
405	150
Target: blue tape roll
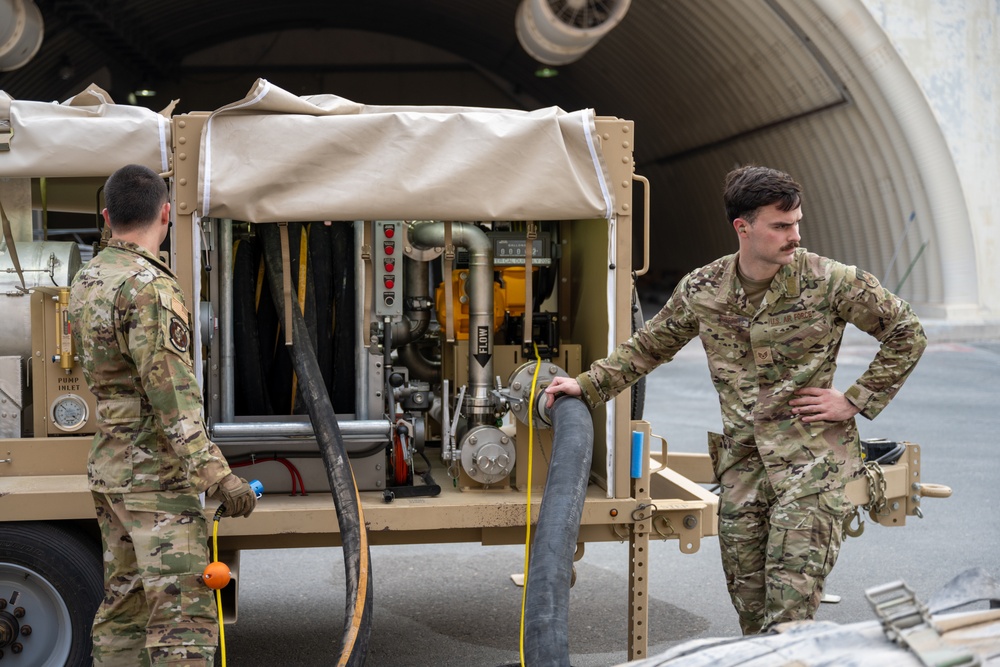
257	487
638	449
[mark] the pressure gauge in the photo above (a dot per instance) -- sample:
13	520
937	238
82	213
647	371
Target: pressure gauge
69	412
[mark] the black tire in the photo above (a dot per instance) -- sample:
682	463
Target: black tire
55	575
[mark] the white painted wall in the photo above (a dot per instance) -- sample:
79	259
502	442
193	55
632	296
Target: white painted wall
952	48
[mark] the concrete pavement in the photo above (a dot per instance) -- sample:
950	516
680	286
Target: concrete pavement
455	605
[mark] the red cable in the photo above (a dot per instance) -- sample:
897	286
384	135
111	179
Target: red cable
292	470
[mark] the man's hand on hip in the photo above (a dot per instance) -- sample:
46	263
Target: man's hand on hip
822	405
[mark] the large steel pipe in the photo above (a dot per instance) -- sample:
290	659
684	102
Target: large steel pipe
427	235
361	429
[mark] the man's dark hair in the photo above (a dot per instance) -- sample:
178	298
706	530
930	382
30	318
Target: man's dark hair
134	196
750	187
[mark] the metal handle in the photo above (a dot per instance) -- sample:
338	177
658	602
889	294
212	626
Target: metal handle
933	490
663	454
645	223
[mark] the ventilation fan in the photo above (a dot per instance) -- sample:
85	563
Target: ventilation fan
558	32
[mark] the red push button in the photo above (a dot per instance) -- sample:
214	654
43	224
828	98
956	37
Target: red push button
390	232
389	282
389	266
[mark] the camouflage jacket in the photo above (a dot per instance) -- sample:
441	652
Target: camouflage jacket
758	358
133	337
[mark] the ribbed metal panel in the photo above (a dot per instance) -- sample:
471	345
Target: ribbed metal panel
710	84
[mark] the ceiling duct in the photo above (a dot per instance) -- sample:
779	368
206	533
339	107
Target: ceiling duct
559	32
21	32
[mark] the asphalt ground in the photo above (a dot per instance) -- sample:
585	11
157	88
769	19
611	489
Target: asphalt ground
455	605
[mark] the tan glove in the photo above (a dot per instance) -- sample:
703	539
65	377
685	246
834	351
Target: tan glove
236	495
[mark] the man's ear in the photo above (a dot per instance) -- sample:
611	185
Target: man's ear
165	213
740	225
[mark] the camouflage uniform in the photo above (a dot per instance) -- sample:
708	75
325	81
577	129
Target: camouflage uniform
782	479
149	460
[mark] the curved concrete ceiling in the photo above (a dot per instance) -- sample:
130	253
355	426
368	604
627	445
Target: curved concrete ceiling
812	87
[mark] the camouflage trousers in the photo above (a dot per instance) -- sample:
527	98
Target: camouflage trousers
776	557
156	610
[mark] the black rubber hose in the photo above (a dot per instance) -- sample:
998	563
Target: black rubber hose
343	391
321	267
546	607
353	535
251	397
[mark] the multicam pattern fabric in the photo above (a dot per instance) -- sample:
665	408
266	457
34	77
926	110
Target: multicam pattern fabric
156	611
776	557
149	460
759	357
132	333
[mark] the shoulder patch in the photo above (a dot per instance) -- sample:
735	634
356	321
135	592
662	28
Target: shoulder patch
179	337
866	278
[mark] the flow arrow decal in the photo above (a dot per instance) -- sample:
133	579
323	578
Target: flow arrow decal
482	354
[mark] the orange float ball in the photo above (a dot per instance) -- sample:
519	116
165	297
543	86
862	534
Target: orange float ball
216	575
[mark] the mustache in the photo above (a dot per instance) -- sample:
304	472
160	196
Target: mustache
790	246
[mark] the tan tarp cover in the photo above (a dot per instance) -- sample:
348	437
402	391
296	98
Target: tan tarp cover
88	135
274	156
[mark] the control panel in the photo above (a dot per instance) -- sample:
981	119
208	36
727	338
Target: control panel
387	255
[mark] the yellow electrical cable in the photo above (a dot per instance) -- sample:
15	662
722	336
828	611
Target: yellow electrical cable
527	523
218	591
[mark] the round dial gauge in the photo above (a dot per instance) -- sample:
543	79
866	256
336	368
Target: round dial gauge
69	412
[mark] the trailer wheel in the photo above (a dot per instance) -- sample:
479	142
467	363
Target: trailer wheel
51	583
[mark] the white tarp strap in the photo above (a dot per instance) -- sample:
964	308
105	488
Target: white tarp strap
609	412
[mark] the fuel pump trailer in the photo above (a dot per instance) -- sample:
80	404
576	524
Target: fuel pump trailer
442	265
